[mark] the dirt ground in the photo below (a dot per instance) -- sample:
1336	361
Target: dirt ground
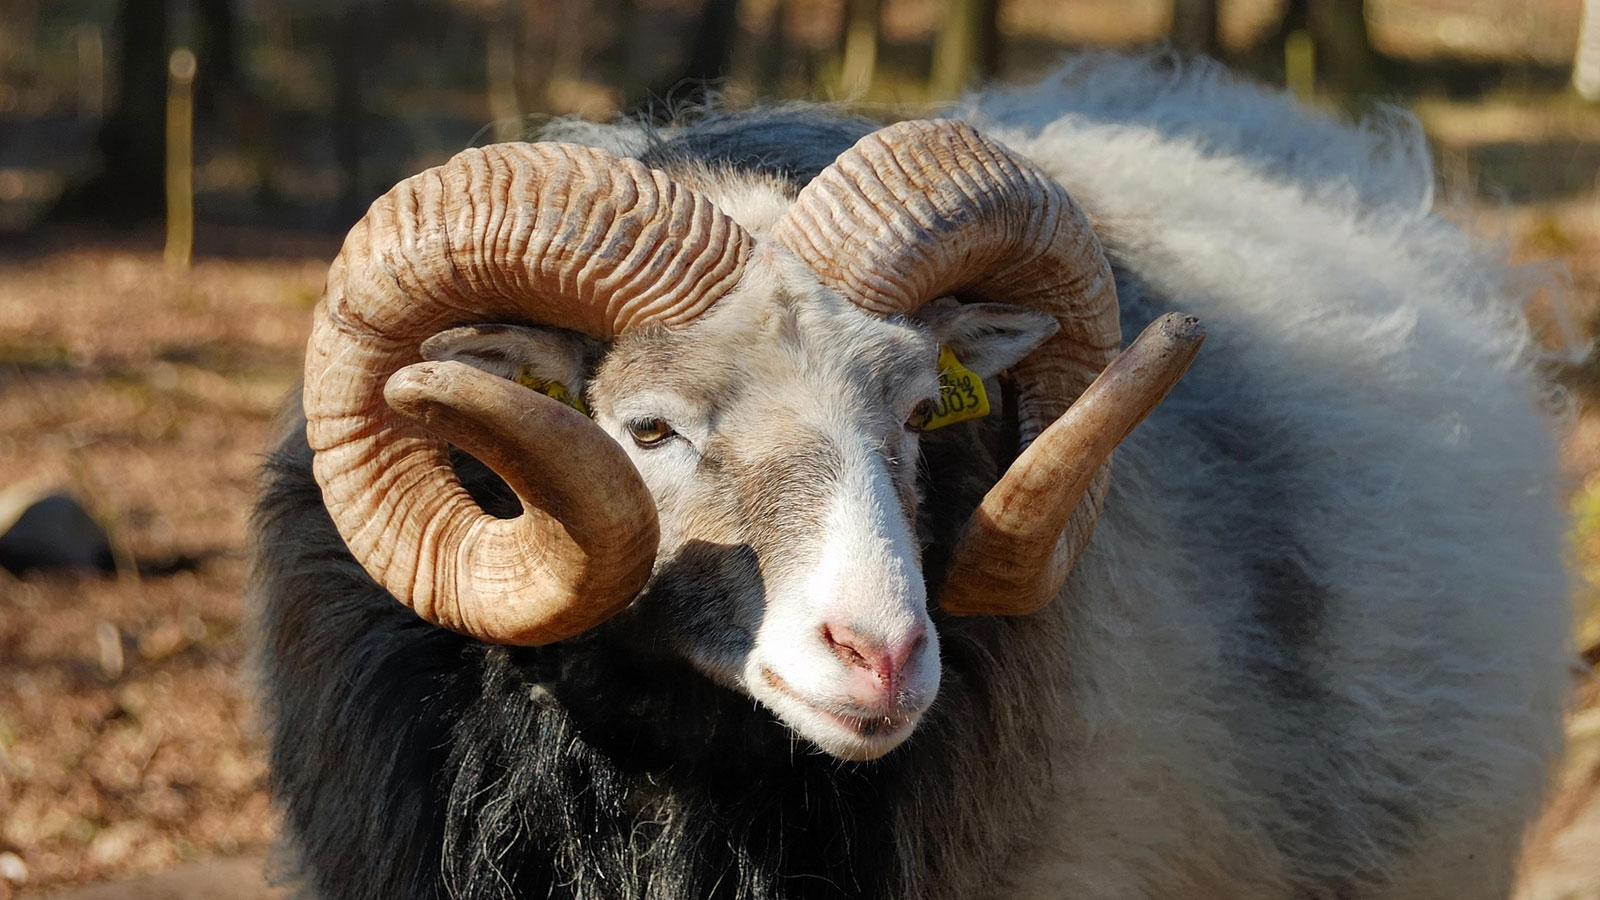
127	737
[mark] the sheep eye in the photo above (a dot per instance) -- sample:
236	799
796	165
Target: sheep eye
650	432
921	415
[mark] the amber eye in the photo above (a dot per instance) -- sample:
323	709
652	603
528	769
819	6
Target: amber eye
650	432
921	415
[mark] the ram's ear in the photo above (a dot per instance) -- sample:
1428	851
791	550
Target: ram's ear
987	337
510	351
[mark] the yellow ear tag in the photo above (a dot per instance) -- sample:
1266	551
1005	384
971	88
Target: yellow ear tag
555	390
961	393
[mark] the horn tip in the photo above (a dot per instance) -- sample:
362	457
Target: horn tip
1180	328
411	390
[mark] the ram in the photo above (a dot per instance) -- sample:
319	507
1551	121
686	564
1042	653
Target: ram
637	534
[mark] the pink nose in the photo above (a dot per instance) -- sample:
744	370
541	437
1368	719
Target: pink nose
881	664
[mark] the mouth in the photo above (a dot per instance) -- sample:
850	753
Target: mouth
867	735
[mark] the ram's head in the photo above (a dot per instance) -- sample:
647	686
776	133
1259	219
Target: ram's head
746	475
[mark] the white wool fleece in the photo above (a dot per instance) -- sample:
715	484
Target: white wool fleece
1375	366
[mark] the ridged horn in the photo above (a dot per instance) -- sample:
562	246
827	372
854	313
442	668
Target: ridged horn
923	209
549	234
1017	548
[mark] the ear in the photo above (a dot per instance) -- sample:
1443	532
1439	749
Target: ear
987	337
550	354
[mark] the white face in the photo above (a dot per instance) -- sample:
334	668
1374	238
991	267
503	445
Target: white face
779	436
846	653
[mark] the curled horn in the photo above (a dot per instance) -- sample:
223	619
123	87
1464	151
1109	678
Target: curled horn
922	209
551	234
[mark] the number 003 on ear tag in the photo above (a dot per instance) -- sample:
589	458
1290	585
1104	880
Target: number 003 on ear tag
555	390
961	394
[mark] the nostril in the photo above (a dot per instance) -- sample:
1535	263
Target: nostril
886	660
846	645
904	648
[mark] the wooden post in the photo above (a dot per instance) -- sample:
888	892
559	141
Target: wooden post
180	158
967	46
1300	65
955	50
861	19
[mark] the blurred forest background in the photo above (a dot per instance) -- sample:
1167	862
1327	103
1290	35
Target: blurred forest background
175	176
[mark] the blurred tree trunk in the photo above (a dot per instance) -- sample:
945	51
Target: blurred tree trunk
570	40
968	45
989	38
620	54
705	65
774	53
1346	63
218	55
1344	50
500	76
132	141
352	30
19	23
534	54
555	40
1194	26
859	45
712	46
